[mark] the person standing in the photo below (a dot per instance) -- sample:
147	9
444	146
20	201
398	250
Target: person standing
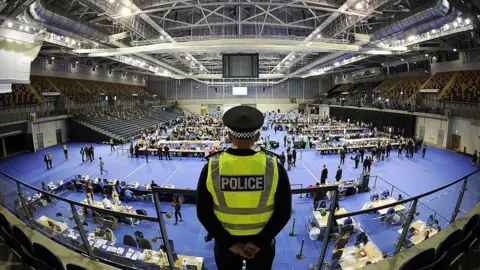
285	140
357	159
369	164
324	175
167	152
45	159
389	148
294	157
147	153
289	158
362	152
282	159
82	153
131	150
343	153
101	165
424	150
50	159
112	145
137	149
176	206
265	204
92	152
338	175
474	159
399	150
317	196
65	151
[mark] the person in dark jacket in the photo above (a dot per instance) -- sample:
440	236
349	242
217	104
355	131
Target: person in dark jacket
324	175
424	150
362	152
365	164
338	175
167	153
92	149
45	159
82	153
131	150
317	196
294	157
177	207
137	148
474	158
389	148
342	156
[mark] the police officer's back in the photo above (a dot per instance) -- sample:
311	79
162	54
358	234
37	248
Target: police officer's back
243	196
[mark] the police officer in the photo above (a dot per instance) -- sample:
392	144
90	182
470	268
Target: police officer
243	196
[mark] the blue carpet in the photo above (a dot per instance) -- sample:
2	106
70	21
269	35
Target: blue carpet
410	177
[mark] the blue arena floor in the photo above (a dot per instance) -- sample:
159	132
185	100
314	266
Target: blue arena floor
409	176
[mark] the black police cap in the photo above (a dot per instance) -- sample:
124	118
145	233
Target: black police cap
243	122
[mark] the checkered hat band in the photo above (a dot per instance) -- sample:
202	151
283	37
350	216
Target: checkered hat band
243	135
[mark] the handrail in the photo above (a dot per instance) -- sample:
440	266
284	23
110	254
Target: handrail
406	200
97	209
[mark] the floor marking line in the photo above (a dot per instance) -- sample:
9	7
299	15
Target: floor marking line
135	170
310	173
168	179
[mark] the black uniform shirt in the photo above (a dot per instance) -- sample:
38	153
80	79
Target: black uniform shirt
281	213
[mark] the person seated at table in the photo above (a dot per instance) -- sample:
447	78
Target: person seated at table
347	221
385	194
101	186
107	204
337	206
399	198
361	238
374	197
341	242
410	233
129	196
323	206
390	211
430	221
426	234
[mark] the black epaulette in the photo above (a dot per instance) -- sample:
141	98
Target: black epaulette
268	152
216	153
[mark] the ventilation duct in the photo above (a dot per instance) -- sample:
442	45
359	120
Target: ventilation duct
439	9
62	20
28	19
425	27
338	59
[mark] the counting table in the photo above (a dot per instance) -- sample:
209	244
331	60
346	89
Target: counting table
352	259
420	228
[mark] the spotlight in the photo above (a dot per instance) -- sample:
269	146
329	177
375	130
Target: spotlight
447	26
455	24
73	42
426	55
9	24
67	39
403	59
459	19
111	1
21	27
53	58
126	11
76	62
454	50
359	5
27	28
467	21
434	31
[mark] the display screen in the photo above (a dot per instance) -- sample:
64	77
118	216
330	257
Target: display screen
239	91
240	65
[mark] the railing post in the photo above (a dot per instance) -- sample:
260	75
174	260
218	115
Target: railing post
459	200
375	184
163	230
24	204
406	226
326	236
81	230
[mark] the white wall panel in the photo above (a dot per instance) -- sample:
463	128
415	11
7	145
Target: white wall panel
432	125
469	130
48	127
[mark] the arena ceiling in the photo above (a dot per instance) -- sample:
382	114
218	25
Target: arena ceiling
299	38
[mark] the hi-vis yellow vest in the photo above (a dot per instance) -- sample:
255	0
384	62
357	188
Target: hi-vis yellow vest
243	190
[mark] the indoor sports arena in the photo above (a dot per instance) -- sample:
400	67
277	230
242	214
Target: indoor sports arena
239	134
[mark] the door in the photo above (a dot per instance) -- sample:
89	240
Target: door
59	136
456	141
422	132
40	140
440	137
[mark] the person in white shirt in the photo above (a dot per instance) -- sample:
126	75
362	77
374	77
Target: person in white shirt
107	204
206	151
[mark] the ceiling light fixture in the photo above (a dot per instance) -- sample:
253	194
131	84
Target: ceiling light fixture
467	21
434	31
126	11
359	5
454	50
9	24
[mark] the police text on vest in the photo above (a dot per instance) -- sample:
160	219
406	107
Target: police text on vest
242	183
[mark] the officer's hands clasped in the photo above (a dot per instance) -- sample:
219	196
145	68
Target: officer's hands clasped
247	250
